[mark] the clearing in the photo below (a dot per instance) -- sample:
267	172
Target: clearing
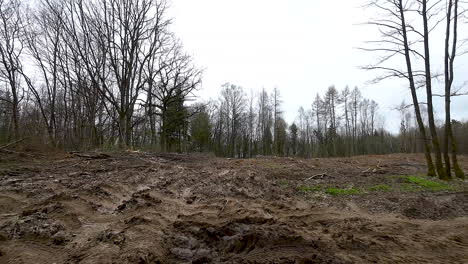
135	207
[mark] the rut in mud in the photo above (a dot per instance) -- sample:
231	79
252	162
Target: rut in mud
152	208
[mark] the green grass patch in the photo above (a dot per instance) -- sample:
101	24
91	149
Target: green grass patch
427	184
380	187
337	191
330	190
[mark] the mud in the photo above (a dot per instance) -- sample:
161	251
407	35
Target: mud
137	207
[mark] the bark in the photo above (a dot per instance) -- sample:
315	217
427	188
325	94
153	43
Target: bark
122	131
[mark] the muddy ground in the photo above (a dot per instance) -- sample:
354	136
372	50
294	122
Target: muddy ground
137	207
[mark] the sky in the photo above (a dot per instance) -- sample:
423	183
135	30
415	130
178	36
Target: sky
299	46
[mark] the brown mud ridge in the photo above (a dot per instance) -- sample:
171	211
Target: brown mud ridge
152	208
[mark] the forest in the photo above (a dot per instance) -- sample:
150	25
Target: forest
83	75
109	153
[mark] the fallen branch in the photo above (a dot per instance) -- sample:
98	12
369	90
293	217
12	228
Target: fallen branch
16	153
321	175
4	148
224	206
68	165
91	155
373	169
11	144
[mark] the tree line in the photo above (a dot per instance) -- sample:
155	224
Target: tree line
338	123
87	74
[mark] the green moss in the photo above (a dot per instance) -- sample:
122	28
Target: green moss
458	171
428	184
337	191
381	187
443	175
431	170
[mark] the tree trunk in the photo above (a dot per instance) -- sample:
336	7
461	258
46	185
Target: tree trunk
427	65
448	123
122	131
422	130
15	110
448	63
456	167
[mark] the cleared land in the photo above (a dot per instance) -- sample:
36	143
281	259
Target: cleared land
152	208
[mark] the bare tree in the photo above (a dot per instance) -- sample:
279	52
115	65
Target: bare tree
251	123
354	109
264	122
452	14
373	113
317	109
395	40
426	14
276	97
345	99
11	49
44	42
233	98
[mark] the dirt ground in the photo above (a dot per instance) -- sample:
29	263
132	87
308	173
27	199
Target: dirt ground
137	207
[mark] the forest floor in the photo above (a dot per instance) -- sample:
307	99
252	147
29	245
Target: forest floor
136	207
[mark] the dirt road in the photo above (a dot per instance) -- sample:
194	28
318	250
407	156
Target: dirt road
152	208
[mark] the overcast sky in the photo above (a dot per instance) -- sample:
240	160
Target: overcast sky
300	46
